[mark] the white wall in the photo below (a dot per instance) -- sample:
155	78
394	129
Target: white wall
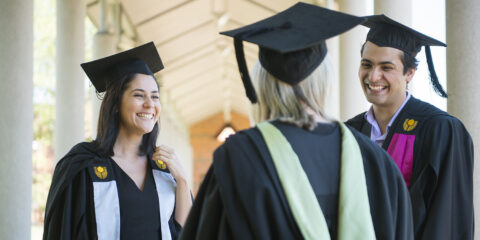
175	134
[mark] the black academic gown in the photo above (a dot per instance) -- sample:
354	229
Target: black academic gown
241	196
441	186
70	209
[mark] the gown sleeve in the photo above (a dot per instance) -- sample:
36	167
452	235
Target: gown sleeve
175	227
448	188
207	220
69	213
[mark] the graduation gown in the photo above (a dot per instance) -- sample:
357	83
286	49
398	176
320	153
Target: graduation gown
241	196
435	153
71	205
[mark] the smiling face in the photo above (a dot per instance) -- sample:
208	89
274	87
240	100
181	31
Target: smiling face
381	76
140	106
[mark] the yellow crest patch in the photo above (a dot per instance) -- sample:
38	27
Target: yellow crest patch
409	124
101	172
161	164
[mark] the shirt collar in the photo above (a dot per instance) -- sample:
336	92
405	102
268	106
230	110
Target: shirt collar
370	117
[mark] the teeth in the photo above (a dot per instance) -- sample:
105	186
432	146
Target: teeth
145	115
376	88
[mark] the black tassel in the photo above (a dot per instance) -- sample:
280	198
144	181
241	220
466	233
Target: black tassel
242	64
433	75
242	67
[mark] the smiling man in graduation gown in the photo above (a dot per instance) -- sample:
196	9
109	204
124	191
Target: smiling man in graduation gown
432	149
284	180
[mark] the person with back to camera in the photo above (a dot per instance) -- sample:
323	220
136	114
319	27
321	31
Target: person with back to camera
297	174
120	186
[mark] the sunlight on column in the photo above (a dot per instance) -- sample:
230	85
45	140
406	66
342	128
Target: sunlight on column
431	23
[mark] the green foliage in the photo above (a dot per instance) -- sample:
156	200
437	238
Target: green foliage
44	51
40	192
43	104
43	124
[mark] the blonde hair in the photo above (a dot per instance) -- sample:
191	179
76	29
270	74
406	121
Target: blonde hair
279	100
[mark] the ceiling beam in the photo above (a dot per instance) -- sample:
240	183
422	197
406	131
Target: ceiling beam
206	91
176	21
189	42
150	13
190	58
180	76
275	5
202	105
193	119
238	8
196	83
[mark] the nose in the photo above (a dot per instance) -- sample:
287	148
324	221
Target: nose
148	102
375	75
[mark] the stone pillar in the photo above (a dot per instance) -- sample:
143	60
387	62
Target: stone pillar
70	110
104	44
332	105
352	100
400	10
16	123
463	59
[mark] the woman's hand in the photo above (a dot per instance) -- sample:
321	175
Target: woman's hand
170	158
183	200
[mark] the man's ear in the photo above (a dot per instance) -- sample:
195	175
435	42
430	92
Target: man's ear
410	73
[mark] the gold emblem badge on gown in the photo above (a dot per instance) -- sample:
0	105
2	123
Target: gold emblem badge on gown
101	172
161	164
409	124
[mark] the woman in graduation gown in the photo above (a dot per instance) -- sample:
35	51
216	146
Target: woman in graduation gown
120	186
297	174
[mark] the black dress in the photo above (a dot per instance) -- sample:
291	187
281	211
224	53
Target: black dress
139	211
71	209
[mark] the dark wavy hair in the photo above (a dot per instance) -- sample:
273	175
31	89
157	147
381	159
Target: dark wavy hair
109	120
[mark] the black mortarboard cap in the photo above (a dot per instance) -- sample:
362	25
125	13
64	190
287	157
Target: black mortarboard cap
142	59
386	32
292	42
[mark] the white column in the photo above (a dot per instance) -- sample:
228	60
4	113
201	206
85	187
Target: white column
70	110
400	10
352	100
104	44
463	59
16	123
332	104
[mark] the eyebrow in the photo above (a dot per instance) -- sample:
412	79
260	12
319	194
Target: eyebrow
141	90
381	63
